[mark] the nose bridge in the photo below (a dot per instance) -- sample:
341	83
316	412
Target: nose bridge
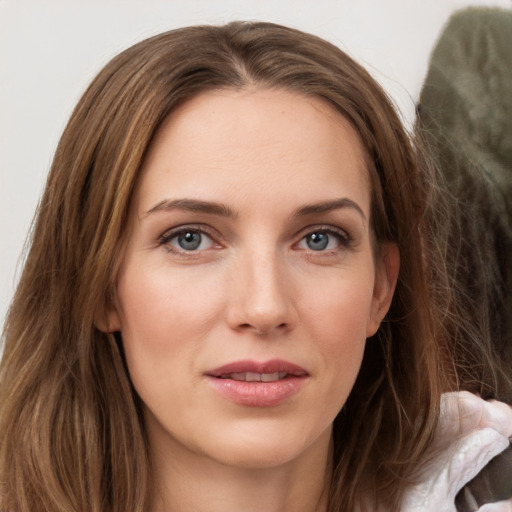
264	301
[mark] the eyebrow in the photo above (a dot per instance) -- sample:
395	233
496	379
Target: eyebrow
213	208
193	205
327	206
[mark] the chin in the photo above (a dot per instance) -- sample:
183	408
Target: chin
258	456
265	448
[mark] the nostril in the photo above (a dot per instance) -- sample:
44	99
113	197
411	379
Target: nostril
261	329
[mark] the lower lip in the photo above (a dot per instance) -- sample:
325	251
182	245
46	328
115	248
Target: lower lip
258	394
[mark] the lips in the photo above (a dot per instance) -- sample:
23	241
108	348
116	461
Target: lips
262	368
258	384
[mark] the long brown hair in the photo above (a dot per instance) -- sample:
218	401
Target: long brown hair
73	434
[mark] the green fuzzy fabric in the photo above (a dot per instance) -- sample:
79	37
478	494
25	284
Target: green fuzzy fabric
465	114
468	90
465	117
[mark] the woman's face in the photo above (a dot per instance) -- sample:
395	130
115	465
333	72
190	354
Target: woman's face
248	286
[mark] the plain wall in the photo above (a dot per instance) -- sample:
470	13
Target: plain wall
50	50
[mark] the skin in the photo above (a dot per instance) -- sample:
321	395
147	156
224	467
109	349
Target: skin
253	289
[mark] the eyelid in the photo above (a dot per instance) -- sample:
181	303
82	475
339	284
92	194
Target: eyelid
325	228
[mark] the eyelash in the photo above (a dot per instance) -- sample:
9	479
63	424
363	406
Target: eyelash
342	237
168	236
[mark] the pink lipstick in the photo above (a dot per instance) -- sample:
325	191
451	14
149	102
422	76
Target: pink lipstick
258	384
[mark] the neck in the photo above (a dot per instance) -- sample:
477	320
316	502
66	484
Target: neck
186	482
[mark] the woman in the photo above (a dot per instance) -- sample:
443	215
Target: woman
231	212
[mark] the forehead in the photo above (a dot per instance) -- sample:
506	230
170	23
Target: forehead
231	140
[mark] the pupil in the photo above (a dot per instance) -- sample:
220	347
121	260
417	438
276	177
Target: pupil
317	241
189	241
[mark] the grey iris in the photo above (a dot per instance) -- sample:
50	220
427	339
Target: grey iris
190	240
317	241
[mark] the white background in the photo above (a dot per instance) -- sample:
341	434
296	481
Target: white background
51	49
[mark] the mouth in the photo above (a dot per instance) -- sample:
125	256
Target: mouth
255	377
257	384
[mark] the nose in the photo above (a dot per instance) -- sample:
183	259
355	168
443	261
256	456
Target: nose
263	302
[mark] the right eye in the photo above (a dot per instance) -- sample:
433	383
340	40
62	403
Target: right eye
187	240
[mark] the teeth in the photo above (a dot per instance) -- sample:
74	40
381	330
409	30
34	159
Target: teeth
236	376
256	377
269	377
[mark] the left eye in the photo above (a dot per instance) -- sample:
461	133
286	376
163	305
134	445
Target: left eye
320	241
190	240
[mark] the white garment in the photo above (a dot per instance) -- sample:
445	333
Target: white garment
471	432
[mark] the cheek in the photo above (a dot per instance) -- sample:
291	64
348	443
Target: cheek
337	317
164	318
340	308
166	304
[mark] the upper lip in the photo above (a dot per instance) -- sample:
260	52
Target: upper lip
249	366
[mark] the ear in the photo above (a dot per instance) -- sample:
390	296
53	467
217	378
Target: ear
107	319
386	275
